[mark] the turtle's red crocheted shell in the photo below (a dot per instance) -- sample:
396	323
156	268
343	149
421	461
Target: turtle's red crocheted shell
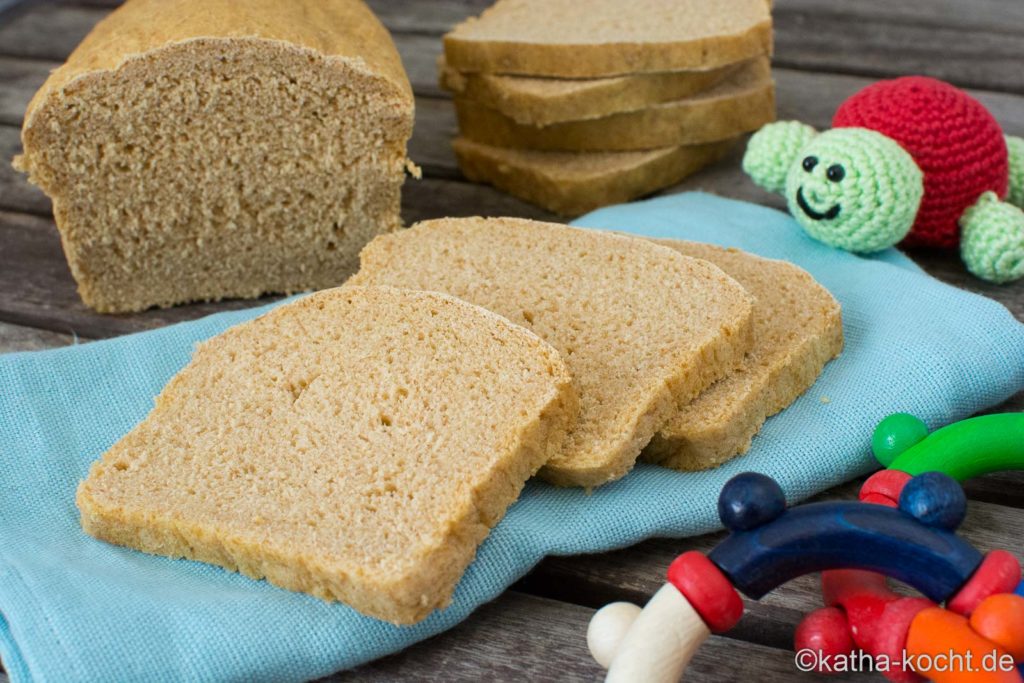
954	140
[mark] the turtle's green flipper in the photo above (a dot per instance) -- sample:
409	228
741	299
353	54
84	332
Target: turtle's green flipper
773	150
1015	194
992	239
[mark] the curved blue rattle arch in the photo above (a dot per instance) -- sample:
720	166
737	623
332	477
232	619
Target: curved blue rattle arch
915	544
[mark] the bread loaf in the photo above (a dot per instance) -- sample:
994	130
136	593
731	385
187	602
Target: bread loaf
642	328
743	102
797	329
572	39
543	101
199	149
572	183
356	445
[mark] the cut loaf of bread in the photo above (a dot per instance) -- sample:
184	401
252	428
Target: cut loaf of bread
196	151
543	101
642	328
356	445
743	102
573	39
572	183
797	329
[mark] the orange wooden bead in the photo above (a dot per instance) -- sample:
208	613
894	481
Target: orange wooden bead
1000	618
937	633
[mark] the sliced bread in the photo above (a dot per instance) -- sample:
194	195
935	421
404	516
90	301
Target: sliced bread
572	183
642	328
356	445
192	148
743	102
797	329
572	39
543	101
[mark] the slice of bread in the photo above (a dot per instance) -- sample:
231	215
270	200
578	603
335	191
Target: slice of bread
543	101
572	39
741	103
797	329
356	445
197	151
642	328
572	183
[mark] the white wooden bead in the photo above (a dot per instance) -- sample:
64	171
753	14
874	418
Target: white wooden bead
607	628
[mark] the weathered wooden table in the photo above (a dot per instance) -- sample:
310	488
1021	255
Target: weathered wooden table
825	50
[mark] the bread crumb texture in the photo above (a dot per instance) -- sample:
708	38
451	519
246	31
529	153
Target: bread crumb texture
196	152
543	101
356	445
797	329
741	103
642	328
572	39
572	183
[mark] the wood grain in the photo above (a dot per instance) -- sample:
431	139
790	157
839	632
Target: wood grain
18	338
536	632
978	44
527	638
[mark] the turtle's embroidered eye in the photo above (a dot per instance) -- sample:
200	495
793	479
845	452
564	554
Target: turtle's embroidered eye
810	163
835	173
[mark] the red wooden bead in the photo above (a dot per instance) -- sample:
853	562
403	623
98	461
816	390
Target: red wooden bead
1000	618
889	636
707	589
826	631
884	487
999	572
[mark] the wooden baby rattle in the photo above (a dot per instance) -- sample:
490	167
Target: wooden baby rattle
861	610
770	545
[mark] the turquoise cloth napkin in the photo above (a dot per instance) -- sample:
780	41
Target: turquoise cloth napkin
76	609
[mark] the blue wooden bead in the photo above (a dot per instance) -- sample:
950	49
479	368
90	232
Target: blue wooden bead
749	500
846	535
934	499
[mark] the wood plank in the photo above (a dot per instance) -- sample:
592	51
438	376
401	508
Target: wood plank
527	638
635	573
36	288
18	338
16	193
979	47
19	80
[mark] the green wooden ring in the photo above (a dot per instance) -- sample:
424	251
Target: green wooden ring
962	450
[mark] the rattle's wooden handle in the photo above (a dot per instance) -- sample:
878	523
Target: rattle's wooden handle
658	642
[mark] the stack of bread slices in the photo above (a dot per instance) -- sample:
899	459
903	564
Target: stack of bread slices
573	105
359	444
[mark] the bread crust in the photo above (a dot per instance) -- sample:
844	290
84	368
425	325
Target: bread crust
565	39
642	329
153	142
403	584
573	183
797	329
741	103
544	101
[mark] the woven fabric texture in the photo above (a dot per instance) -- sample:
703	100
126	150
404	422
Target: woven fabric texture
953	138
77	609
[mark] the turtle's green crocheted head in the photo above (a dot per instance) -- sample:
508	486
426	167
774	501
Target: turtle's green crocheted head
851	188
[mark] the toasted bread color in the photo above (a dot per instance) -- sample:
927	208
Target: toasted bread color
192	149
543	101
797	329
573	39
642	328
572	183
356	445
743	102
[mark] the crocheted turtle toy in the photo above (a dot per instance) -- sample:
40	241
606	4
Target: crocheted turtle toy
911	160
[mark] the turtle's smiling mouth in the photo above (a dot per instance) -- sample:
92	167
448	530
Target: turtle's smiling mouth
811	213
